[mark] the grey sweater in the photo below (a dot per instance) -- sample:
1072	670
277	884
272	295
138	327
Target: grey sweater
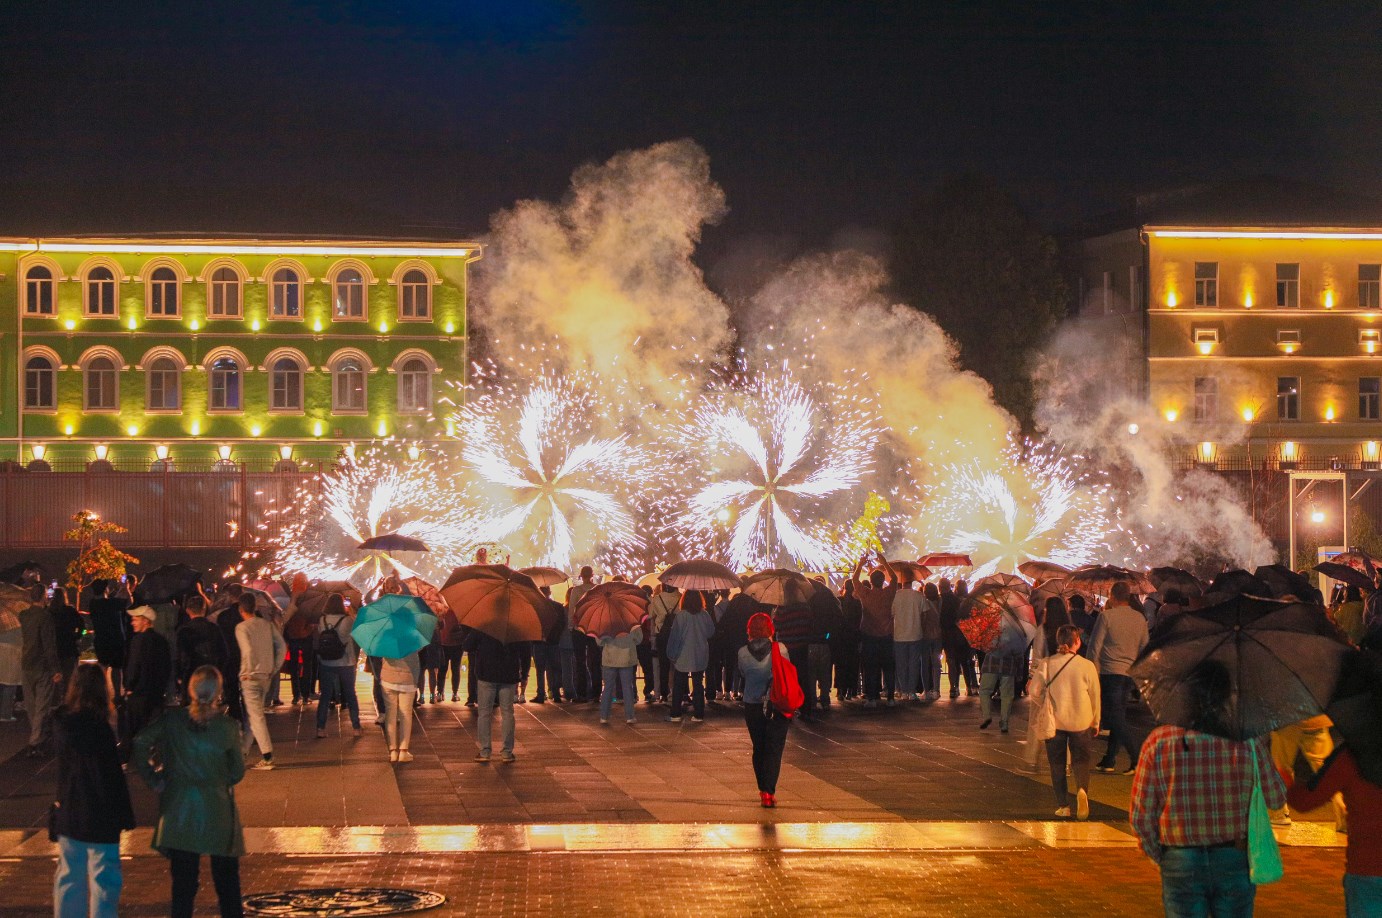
1120	633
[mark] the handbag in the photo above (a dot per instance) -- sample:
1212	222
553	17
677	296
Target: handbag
1264	857
1044	718
785	692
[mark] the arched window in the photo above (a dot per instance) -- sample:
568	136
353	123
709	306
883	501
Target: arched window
415	296
164	385
38	291
100	291
163	293
40	384
102	386
415	386
286	294
349	294
225	294
285	385
225	385
348	386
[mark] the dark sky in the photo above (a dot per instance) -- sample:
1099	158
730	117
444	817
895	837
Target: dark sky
821	120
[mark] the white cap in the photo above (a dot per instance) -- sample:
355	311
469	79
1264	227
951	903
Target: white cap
144	612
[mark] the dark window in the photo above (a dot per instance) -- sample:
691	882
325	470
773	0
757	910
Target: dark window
38	291
1288	398
1287	285
102	393
165	380
1206	398
40	384
1369	395
1206	283
225	385
100	292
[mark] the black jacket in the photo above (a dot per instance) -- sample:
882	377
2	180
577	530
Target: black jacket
110	629
93	801
732	631
148	665
67	628
493	661
200	643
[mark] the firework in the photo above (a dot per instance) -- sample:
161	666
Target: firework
782	461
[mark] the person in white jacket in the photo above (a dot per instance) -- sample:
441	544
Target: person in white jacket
262	650
1071	682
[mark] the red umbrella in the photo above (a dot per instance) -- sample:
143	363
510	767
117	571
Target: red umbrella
946	559
611	609
427	593
1358	560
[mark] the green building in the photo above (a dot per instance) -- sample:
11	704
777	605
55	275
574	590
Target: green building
201	350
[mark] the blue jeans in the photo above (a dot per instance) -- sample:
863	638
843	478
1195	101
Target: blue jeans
337	682
625	677
1113	691
489	693
1200	882
908	665
931	666
88	879
1362	895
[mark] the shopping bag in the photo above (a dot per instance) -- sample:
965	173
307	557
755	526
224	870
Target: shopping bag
1264	857
785	692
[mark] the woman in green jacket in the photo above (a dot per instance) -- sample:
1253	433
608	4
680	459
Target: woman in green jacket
191	756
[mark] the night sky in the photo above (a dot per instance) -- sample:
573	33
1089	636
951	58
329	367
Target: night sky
821	120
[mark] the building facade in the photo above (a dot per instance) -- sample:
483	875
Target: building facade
194	351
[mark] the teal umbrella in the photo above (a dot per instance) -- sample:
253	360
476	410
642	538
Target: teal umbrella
393	626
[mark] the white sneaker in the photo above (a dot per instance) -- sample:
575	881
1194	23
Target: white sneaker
264	765
604	721
1063	812
1081	805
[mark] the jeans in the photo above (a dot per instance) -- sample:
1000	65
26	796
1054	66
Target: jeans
40	700
930	666
1114	704
625	676
398	718
1362	896
877	656
820	672
489	693
959	662
254	690
1200	882
451	663
567	658
907	655
302	664
225	874
338	682
1007	686
696	681
88	879
1079	745
769	737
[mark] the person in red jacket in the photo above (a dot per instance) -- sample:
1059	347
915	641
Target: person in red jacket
1363	865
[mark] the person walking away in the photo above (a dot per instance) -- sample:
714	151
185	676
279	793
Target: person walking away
93	802
1054	618
227	611
262	650
876	629
431	659
148	666
580	672
767	727
41	668
959	656
1309	738
688	650
399	677
67	631
300	632
661	607
931	643
498	670
198	749
844	645
999	671
1190	801
795	628
199	643
619	656
337	658
1119	635
1071	684
110	628
825	616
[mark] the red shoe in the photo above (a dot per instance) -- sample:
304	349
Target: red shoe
766	799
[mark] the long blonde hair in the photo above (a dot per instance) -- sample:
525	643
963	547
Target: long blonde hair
204	693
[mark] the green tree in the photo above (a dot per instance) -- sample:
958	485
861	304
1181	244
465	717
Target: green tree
971	257
96	557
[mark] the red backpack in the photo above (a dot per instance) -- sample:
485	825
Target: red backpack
785	694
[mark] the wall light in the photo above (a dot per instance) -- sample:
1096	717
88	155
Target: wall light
196	428
1372	450
101	452
1247	300
1171	300
1329	299
383	328
39	450
254	325
223	451
1329	412
1290	453
133	323
383	429
194	325
69	430
285	452
316	325
1206	347
132	430
255	430
70	324
161	451
1170	414
414	452
316	428
1207	452
449	328
1248	415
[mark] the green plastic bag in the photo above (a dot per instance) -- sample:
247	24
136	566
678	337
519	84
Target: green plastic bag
1264	857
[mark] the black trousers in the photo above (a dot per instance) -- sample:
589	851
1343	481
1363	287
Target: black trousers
451	655
845	655
879	666
225	875
645	660
580	645
594	665
959	663
302	667
800	655
547	669
769	738
695	682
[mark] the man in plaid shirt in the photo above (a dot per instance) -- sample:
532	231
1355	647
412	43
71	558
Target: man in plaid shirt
1190	805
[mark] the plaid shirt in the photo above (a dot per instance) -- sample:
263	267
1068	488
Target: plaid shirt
1194	788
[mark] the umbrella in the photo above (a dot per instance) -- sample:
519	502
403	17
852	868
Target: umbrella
1283	581
545	576
500	602
1283	661
394	626
649	579
778	587
1058	587
1041	571
909	570
392	541
273	589
13	600
610	609
1357	711
1358	560
1344	574
265	605
700	574
946	559
429	594
1173	578
166	583
980	622
1100	578
311	602
15	573
1007	592
1237	583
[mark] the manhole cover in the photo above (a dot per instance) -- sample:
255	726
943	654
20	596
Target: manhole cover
328	902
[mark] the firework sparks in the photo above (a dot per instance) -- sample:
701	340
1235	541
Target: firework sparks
780	455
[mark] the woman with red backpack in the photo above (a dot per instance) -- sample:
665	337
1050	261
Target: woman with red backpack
771	696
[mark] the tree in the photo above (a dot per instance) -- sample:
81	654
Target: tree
96	557
968	255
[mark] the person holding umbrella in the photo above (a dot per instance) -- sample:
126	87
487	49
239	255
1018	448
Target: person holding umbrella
688	649
498	669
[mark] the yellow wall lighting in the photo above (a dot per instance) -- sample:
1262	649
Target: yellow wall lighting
254	325
1171	300
1289	347
316	428
449	328
255	430
132	430
1371	450
285	452
1329	412
305	247
132	323
69	430
39	451
1264	234
161	451
1206	347
1170	414
194	325
383	328
70	324
1290	451
1207	451
196	428
1248	414
223	451
101	452
316	325
383	429
1247	300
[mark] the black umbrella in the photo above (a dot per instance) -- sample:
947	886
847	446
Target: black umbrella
1283	661
23	572
1238	583
1344	574
1173	578
1357	711
392	541
166	583
1283	581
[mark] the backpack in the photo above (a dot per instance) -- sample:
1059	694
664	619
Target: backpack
331	646
785	693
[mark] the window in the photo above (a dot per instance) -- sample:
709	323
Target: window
1288	398
225	385
1369	397
349	295
348	387
415	386
415	296
40	384
285	385
163	293
225	294
1206	398
286	294
1206	283
1288	340
1287	286
38	291
102	386
164	385
1369	286
100	291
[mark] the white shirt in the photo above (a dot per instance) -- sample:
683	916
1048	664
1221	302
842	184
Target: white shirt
1074	691
907	607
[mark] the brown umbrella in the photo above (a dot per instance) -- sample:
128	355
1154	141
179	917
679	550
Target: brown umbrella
1100	578
946	559
611	609
700	574
778	587
427	593
311	602
1041	571
1173	578
1006	591
909	570
545	576
13	600
499	601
